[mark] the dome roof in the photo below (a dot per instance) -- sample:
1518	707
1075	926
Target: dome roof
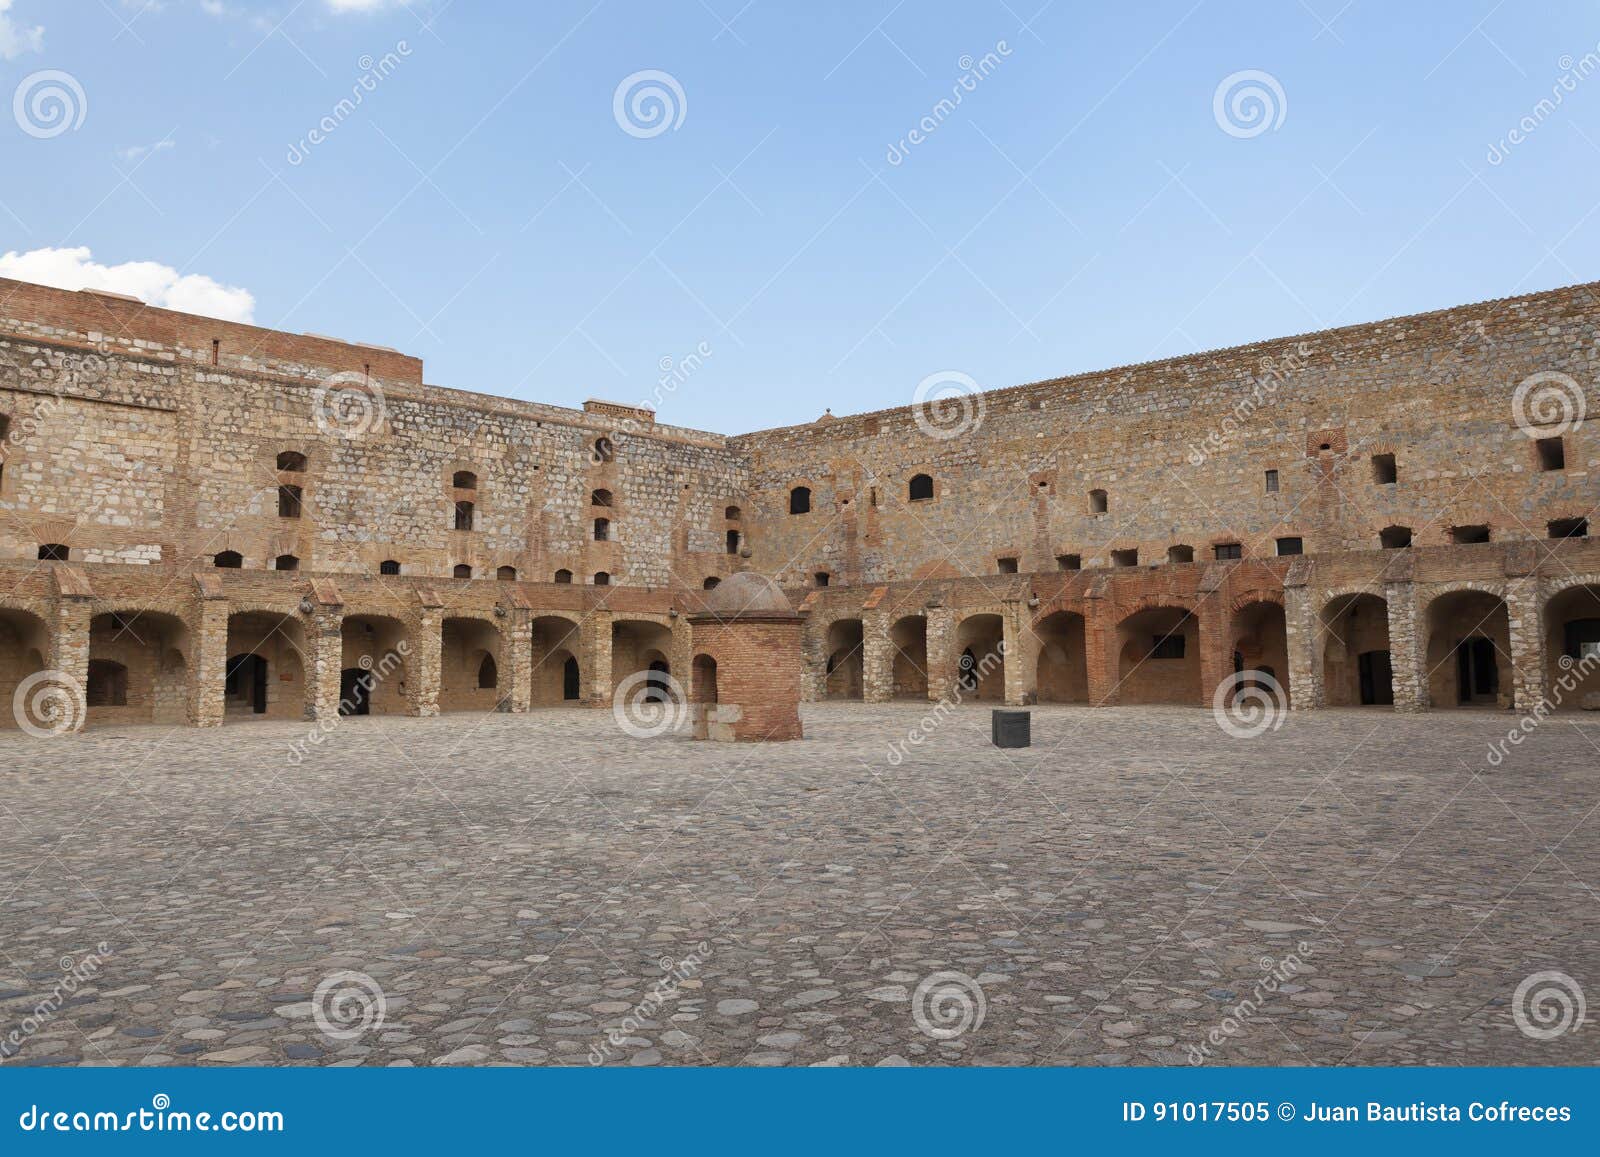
746	593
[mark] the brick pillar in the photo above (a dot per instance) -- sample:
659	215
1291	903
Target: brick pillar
1525	609
1022	654
424	663
69	655
1300	626
877	658
516	661
1100	649
324	662
1216	652
594	658
942	654
209	671
1408	648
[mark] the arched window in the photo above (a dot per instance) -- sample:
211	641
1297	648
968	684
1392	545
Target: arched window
228	560
602	530
800	500
488	674
53	552
292	460
921	487
1394	537
506	574
604	451
563	576
463	570
600	498
389	566
464	515
602	579
731	513
286	562
711	583
1097	502
464	480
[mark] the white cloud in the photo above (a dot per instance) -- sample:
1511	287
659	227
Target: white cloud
366	5
14	39
150	281
138	152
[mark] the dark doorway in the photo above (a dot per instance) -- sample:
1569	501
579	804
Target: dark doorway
1477	673
355	691
967	675
1377	679
656	683
570	679
246	682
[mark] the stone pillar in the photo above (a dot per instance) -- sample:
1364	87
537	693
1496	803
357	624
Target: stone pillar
877	658
516	661
594	658
69	655
1302	638
1216	649
209	672
1022	653
942	653
1408	647
324	662
814	665
1100	649
1526	611
424	663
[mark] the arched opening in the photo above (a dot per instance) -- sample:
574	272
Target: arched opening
602	578
712	583
148	649
909	665
389	566
469	650
704	683
1063	669
1469	650
24	642
555	643
461	570
1572	648
374	649
604	451
1180	553
563	576
106	684
981	661
265	673
1158	657
286	562
1394	537
920	487
731	513
1354	639
54	552
1259	641
800	500
291	461
228	560
638	646
843	674
464	480
506	574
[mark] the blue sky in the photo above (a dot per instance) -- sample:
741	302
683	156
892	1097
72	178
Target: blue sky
1082	207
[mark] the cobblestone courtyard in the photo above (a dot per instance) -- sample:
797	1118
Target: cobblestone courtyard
514	884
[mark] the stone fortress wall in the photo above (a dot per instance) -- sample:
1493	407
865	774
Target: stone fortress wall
202	521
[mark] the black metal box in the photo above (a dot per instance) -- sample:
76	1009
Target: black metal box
1010	728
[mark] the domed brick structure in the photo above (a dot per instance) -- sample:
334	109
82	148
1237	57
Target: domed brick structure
746	673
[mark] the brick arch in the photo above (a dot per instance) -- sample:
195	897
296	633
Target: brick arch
1376	591
1434	593
1154	603
1072	605
1553	587
289	608
1258	595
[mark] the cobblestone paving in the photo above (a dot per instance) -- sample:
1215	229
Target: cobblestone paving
513	885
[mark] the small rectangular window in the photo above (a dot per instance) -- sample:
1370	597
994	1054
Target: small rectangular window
1069	561
289	502
1227	550
1168	646
1272	481
1569	528
1467	535
1384	472
1288	546
463	515
1006	565
1125	558
1552	454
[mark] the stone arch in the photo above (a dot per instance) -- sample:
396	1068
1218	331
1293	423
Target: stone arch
466	642
374	675
1570	620
1062	673
980	657
554	639
1258	641
1469	646
908	664
640	645
264	677
1353	648
1158	654
24	645
843	662
153	649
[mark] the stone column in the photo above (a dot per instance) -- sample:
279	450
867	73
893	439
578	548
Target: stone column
1100	649
1300	628
324	662
680	660
1408	648
516	661
1525	609
814	666
424	663
877	658
1022	653
69	655
594	658
942	653
209	671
